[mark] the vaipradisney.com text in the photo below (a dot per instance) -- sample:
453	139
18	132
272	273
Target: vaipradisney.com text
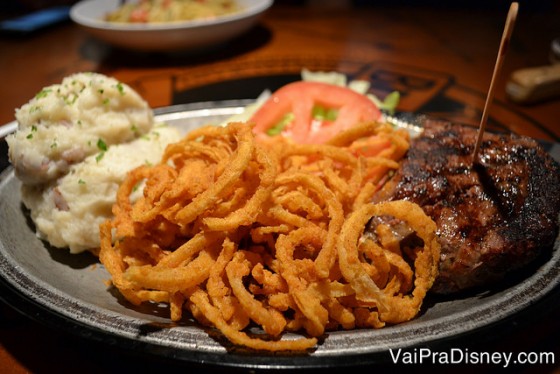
464	356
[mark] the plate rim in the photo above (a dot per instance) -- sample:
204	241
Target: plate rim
76	14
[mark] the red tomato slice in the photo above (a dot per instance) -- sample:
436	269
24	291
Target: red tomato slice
299	98
139	15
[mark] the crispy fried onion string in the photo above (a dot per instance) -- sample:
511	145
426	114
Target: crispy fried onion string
242	233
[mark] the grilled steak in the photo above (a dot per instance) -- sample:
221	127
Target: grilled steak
493	217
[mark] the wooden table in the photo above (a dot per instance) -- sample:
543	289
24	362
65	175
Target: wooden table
440	59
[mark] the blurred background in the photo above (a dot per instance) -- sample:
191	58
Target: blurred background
13	7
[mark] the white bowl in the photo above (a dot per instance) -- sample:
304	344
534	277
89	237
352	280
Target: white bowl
172	36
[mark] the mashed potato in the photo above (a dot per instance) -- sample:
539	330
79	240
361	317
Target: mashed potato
68	211
65	123
74	144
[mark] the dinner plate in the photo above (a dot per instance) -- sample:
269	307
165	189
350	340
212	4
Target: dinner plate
192	35
70	292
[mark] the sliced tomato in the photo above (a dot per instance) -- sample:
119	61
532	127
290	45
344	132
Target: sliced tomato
290	111
139	15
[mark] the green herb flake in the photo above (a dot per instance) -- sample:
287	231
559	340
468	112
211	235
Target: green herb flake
70	98
120	87
30	136
101	145
106	101
99	156
81	181
43	93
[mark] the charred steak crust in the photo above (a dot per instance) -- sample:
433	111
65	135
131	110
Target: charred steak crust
492	218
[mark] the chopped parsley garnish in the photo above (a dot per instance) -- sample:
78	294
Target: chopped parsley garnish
33	129
43	93
70	98
101	145
81	181
120	87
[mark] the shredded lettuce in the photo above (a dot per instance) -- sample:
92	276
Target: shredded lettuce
281	125
389	104
321	113
331	77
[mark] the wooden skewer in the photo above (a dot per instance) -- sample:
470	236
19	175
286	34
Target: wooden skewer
506	36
